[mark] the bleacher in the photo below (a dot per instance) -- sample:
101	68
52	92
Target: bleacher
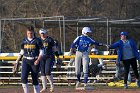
61	75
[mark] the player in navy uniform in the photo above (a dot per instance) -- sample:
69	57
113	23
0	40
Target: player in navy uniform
48	59
32	51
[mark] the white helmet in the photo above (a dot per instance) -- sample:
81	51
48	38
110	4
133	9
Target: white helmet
42	31
94	50
86	30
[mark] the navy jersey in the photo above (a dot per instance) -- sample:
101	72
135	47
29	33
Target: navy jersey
31	48
48	43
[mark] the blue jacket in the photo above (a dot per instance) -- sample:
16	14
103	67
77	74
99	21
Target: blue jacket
119	45
83	42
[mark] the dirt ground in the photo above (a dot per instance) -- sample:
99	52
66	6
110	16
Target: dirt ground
66	89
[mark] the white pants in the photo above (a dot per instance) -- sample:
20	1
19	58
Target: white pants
81	57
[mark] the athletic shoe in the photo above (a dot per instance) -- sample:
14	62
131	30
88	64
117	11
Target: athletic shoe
85	86
52	89
78	84
42	90
138	83
125	86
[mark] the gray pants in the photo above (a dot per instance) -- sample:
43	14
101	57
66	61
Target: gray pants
81	57
71	63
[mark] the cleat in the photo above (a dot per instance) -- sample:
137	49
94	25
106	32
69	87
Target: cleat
138	83
78	84
51	89
80	88
125	86
85	86
42	90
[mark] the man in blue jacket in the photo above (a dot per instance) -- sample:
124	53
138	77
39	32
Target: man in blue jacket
128	54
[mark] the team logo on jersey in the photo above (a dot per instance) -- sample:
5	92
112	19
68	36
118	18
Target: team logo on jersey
27	46
84	43
45	44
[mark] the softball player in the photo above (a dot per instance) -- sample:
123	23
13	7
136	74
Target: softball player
32	51
48	59
82	43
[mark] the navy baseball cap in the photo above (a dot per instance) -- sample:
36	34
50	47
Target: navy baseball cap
123	33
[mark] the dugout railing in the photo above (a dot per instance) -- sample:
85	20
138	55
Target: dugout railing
61	74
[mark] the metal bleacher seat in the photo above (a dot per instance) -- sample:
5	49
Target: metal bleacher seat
60	76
